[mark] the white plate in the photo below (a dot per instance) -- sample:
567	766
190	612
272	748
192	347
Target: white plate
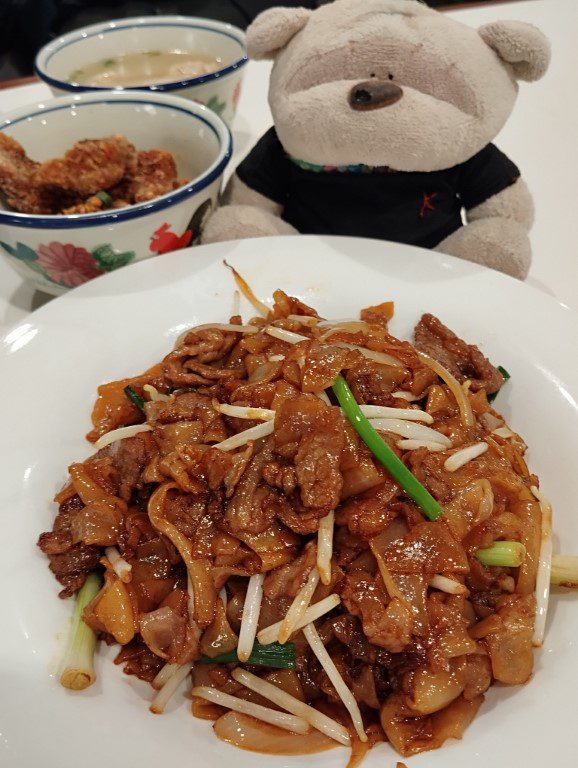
118	325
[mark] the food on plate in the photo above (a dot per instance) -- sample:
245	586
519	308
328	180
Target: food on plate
145	68
95	174
330	530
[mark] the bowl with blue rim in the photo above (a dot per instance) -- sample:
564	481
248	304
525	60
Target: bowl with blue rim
59	251
195	58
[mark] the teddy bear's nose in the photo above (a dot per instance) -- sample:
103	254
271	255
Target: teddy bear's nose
374	94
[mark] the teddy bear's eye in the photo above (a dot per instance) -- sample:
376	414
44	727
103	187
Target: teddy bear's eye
372	74
390	76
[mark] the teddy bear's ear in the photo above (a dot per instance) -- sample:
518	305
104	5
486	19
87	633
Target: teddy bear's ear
521	45
273	29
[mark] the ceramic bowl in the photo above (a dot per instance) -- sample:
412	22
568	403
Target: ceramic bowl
60	252
218	90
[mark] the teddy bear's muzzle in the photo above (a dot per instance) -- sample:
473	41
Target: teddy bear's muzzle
374	94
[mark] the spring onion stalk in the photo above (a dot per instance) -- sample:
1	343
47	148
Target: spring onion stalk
272	655
296	707
564	571
78	667
104	197
383	452
508	554
134	398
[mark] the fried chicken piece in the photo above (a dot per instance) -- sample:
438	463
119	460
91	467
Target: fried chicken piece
90	166
17	180
155	174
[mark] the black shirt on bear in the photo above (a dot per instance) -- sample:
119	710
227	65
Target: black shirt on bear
406	207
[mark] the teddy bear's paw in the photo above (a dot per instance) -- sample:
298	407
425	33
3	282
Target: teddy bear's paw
498	243
237	222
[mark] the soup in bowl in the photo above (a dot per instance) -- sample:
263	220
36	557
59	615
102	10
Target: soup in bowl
195	58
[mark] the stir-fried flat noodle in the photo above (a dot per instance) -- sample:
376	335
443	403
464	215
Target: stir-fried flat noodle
233	505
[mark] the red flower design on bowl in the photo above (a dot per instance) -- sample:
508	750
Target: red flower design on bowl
67	264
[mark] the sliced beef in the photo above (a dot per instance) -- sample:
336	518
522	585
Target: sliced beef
69	562
464	361
129	458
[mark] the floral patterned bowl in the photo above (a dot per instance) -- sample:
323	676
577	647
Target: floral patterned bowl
218	90
60	252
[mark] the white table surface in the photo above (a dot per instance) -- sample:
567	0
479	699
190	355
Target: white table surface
541	137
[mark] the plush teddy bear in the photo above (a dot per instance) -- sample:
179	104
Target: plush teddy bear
384	112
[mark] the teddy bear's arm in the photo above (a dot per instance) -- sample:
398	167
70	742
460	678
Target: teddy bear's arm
496	234
515	202
499	214
252	205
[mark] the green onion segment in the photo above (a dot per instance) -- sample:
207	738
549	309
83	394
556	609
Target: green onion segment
78	667
508	554
381	450
270	655
134	398
104	197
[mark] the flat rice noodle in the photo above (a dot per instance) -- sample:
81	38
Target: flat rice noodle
510	649
431	691
462	511
248	733
478	675
530	516
111	610
199	570
206	710
288	681
218	637
274	546
426	548
369	514
413	587
411	734
150	593
95	524
288	580
162	630
90	491
323	363
113	409
167	633
450	622
361	478
169	436
452	721
265	372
